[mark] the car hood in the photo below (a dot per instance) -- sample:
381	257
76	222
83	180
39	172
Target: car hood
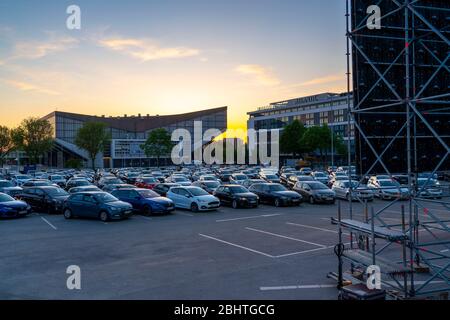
14	204
11	189
161	200
119	204
287	193
246	195
324	191
206	198
61	198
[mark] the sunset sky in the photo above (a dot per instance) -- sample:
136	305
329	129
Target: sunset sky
167	56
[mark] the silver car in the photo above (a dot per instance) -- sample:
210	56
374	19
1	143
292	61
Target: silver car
359	192
388	190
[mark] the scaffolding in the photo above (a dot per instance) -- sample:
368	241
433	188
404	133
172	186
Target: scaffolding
411	92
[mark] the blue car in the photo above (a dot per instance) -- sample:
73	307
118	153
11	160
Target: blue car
12	208
193	198
145	201
96	204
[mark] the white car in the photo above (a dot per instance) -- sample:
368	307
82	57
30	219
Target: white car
388	190
193	198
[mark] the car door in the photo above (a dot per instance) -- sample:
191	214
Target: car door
39	199
226	195
75	205
185	198
89	206
134	198
175	197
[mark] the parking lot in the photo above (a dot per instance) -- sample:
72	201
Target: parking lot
264	253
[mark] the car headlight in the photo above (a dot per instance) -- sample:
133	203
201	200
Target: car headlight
243	199
114	208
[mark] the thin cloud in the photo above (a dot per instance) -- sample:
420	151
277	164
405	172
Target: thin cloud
29	87
40	49
322	80
260	74
147	50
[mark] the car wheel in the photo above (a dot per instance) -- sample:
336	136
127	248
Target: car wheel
68	214
311	200
104	217
347	197
234	204
277	203
147	210
194	207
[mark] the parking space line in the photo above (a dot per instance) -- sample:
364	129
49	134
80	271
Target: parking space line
236	245
252	217
306	251
286	237
315	228
48	222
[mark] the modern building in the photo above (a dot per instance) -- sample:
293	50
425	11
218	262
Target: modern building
316	110
128	133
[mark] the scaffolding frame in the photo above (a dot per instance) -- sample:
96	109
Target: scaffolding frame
437	213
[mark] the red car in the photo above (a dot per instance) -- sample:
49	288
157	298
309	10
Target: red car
146	182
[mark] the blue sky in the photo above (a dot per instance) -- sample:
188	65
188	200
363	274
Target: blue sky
167	56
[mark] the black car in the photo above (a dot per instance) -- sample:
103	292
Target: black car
236	196
72	183
276	194
162	188
45	199
12	208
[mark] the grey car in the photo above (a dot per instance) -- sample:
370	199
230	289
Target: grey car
359	192
315	192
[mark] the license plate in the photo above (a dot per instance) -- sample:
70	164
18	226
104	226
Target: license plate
23	212
128	211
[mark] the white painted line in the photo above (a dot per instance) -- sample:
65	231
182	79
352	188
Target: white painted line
315	228
286	237
446	250
252	217
46	221
306	251
236	245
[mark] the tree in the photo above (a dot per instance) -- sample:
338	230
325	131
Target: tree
93	138
318	138
35	137
291	138
6	143
157	144
339	145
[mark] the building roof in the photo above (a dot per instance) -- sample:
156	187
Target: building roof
138	123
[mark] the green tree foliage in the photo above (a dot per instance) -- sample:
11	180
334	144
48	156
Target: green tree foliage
291	139
35	137
74	163
6	143
158	144
93	138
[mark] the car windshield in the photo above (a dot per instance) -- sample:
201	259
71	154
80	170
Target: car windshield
180	179
271	176
317	186
148	194
56	192
5	198
238	190
421	182
388	183
41	183
105	198
113	181
208	178
198	192
277	187
211	184
149	180
319	175
6	184
240	177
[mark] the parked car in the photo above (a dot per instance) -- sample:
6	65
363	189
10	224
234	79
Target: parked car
306	171
361	192
208	185
58	179
111	187
273	178
12	208
320	176
387	189
315	192
20	179
146	182
193	198
104	181
84	189
402	179
181	180
236	196
9	188
145	201
238	178
248	183
39	183
162	188
100	205
72	183
292	181
429	188
45	199
276	194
